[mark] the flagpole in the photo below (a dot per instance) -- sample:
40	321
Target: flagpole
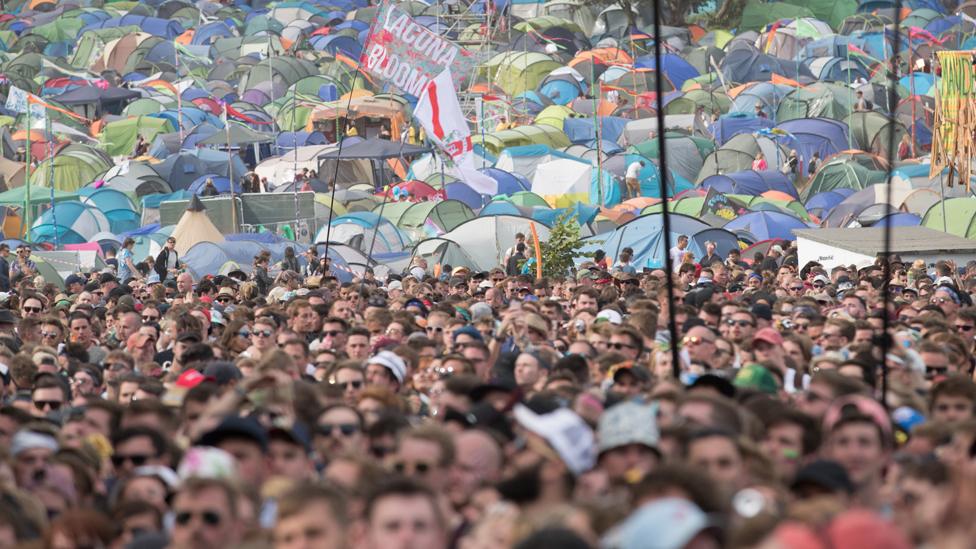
27	159
230	171
50	148
179	100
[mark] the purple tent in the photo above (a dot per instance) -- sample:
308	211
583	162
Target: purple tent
810	135
766	225
461	191
731	125
750	182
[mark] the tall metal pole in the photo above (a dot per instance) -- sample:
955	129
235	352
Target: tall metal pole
27	183
663	180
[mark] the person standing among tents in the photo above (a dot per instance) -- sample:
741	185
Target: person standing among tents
791	165
4	268
290	261
632	179
168	261
759	164
209	189
23	265
141	147
904	148
127	267
760	112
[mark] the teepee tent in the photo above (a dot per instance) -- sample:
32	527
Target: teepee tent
195	227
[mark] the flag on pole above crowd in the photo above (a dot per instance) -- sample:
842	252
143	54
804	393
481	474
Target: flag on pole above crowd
439	112
18	101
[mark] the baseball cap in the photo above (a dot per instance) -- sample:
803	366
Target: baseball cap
566	432
296	434
825	474
467	330
821	278
754	376
235	427
628	423
222	372
670	522
394	285
769	335
137	340
392	362
609	315
480	310
858	405
73	279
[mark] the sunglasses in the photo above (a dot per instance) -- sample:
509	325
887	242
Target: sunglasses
695	340
137	460
419	468
262	333
244	333
437	329
223	299
31	309
964	327
150	318
796	288
345	385
740	323
331	333
347	429
938	300
210	518
51	404
49	335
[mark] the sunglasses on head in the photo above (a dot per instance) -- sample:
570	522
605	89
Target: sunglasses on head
210	518
347	429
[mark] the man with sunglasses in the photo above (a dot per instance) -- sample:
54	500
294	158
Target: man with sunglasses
48	395
135	447
339	430
205	513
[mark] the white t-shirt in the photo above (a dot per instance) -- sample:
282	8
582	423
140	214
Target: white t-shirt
677	255
633	171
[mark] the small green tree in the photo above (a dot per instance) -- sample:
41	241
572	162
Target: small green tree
563	247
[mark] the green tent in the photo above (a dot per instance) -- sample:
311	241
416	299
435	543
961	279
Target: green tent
961	214
555	116
445	215
758	14
871	131
92	44
738	153
541	134
686	154
692	99
392	211
525	198
841	174
38	196
517	72
74	167
831	12
119	138
818	100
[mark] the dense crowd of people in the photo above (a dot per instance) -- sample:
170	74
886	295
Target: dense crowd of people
488	410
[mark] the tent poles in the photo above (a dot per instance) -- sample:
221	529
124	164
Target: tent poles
663	185
386	198
294	105
892	100
341	140
179	99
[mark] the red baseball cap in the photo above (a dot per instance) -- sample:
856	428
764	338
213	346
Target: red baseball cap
769	335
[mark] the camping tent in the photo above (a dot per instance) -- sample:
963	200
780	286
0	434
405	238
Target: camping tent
195	227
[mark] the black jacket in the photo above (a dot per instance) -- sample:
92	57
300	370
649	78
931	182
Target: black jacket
162	260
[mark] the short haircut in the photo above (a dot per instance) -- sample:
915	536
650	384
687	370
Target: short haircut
300	497
195	485
811	430
955	386
403	487
157	438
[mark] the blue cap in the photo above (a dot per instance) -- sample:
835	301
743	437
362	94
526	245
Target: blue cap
467	330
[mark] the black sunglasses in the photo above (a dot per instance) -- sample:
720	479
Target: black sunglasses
262	333
346	429
210	518
52	404
618	346
32	309
344	385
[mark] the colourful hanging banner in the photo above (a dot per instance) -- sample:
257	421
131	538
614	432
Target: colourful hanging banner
405	53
